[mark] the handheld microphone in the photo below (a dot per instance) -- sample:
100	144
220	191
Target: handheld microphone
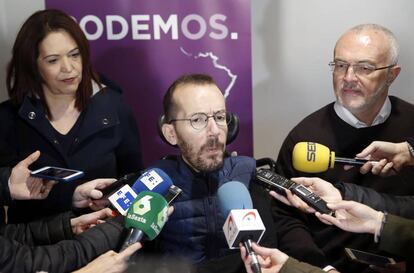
154	179
146	217
243	223
311	157
127	179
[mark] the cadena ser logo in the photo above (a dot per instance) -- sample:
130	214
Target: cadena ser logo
156	27
311	155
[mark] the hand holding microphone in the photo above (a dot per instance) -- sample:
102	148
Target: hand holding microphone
311	157
272	258
243	223
146	217
392	157
154	179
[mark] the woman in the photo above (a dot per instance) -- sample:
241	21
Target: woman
58	106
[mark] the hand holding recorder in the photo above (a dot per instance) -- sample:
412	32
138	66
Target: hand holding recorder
282	188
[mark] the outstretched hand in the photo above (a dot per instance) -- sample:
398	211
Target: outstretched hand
23	186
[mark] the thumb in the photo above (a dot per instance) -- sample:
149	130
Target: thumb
126	253
367	151
341	205
262	251
30	159
95	194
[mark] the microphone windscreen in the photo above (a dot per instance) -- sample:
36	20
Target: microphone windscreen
233	195
311	157
155	180
148	213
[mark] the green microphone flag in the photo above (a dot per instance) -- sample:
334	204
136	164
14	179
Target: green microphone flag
148	213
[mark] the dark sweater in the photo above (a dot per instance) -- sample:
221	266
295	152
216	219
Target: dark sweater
326	128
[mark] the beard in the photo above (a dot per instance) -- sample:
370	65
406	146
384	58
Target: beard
362	103
201	162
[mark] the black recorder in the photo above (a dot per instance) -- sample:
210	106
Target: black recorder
279	184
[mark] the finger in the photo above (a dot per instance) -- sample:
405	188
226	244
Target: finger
367	151
30	159
95	194
348	167
388	169
298	203
378	166
263	251
170	210
306	181
98	204
243	252
104	182
47	188
100	214
324	218
127	252
341	205
366	168
280	198
267	263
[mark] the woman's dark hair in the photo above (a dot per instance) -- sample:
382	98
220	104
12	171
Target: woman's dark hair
23	75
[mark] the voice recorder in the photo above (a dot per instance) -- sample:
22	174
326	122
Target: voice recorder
279	184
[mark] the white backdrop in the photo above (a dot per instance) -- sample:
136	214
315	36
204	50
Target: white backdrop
293	42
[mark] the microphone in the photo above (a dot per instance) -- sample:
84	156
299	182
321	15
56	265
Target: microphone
311	157
243	223
146	217
154	179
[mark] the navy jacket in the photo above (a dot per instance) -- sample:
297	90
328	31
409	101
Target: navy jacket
194	230
107	145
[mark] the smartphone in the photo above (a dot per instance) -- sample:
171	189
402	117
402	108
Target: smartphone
173	192
127	179
57	174
368	258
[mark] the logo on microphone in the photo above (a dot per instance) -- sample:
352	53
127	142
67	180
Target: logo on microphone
311	155
151	179
143	205
249	219
122	199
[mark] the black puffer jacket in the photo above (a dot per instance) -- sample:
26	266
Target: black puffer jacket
48	245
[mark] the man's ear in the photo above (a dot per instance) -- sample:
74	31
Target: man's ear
393	74
168	130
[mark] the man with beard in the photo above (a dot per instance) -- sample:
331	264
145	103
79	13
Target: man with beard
195	121
365	64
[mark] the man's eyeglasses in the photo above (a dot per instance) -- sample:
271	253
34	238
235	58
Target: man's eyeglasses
199	120
360	69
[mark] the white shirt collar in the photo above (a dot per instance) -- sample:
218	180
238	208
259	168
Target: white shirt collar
96	88
349	118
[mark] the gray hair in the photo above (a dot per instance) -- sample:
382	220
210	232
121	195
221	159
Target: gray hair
393	43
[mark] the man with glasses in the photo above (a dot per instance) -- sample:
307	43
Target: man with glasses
195	121
365	64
